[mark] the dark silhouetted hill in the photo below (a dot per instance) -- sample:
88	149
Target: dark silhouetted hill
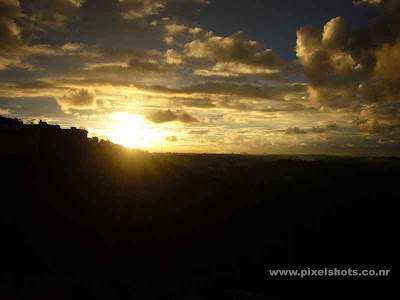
95	220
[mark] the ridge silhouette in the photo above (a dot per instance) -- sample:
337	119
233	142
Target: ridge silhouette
86	217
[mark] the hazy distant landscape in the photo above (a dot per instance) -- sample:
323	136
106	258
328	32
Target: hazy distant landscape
108	222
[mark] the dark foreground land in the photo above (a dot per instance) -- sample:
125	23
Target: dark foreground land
105	223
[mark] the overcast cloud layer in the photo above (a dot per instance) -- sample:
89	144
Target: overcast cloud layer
205	87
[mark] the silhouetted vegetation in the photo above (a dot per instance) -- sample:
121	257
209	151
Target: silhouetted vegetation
98	221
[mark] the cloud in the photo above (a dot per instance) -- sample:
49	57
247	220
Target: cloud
237	118
332	127
77	99
203	103
388	62
10	34
169	40
169	116
35	85
113	67
185	117
384	83
196	30
234	69
172	57
328	127
46	15
335	34
235	49
317	130
134	10
146	67
374	126
10	42
205	2
287	107
33	107
323	55
377	118
295	130
10	9
77	2
175	29
344	65
367	2
198	132
271	93
162	116
72	47
171	139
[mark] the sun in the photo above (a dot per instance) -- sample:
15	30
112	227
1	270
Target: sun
132	131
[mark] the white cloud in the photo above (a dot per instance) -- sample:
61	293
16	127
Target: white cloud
367	2
174	29
72	47
133	10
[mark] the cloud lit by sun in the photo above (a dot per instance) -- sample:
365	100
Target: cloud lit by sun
133	131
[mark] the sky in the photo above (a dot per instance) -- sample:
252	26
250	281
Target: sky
214	76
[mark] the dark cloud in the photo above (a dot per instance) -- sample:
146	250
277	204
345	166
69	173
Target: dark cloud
193	102
19	18
146	67
295	130
329	127
317	130
198	132
77	99
10	9
284	107
377	118
205	2
332	127
33	85
171	139
169	116
51	14
375	126
185	117
10	34
162	116
28	107
32	89
273	93
10	37
291	107
235	104
386	27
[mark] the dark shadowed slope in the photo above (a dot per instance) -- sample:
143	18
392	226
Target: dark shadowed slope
101	221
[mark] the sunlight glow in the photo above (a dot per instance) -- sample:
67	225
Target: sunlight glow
133	131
